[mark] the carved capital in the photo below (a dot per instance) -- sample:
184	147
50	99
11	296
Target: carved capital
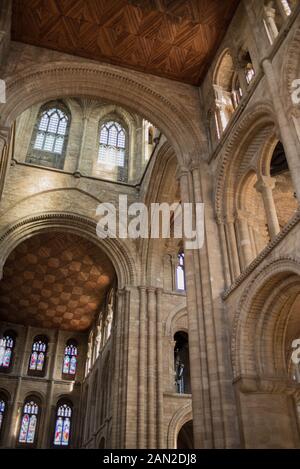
265	182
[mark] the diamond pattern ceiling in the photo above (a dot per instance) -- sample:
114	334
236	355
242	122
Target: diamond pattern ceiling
171	38
55	280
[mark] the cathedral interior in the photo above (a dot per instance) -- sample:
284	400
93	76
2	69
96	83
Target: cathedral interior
146	343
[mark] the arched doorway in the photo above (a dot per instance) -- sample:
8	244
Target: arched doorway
185	438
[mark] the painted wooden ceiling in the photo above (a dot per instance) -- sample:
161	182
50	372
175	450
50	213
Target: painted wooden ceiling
176	39
55	280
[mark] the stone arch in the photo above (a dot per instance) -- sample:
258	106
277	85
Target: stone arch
258	320
123	261
42	82
173	317
256	125
181	417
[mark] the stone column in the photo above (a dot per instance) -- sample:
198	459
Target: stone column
85	121
142	367
214	412
226	269
117	372
151	369
202	419
49	403
244	240
17	404
265	186
270	20
159	367
4	155
232	248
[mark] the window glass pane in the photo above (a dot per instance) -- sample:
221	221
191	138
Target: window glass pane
39	141
49	141
62	127
112	144
59	142
53	124
44	122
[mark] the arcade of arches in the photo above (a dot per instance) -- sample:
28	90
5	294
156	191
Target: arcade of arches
145	343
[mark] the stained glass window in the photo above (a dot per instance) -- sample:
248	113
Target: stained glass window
2	411
63	425
180	275
112	144
70	358
38	354
51	131
7	343
29	420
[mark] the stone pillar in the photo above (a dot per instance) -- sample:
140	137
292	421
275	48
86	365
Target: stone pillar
117	372
49	402
202	418
17	404
232	248
214	412
270	14
159	367
142	369
265	186
284	128
244	240
151	369
4	155
85	121
226	269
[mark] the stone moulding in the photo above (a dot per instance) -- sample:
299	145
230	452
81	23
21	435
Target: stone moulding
275	266
263	254
119	253
97	80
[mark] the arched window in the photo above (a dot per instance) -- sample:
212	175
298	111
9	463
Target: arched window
29	422
70	359
49	139
63	424
7	343
180	272
3	406
37	360
112	144
182	363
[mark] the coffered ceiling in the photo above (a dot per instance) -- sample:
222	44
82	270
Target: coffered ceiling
171	38
55	280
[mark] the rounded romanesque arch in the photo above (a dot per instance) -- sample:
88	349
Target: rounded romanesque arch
246	140
181	417
124	262
260	322
46	82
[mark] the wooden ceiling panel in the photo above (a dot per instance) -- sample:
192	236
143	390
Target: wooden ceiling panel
171	38
55	280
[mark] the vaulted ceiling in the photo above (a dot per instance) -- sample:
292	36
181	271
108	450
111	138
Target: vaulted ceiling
55	280
171	38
